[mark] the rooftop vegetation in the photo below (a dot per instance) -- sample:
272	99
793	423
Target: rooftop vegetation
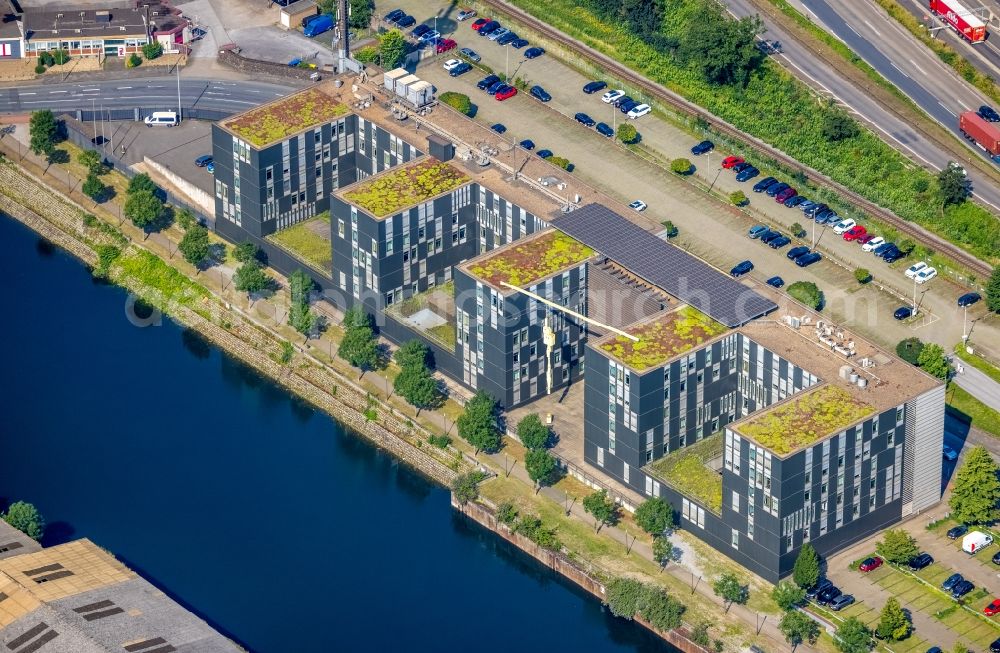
663	338
686	471
805	418
402	187
309	241
524	263
286	117
440	300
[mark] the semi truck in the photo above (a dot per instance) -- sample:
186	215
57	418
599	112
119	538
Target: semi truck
966	23
984	134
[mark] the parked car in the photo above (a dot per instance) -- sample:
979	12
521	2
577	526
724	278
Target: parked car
486	82
451	63
948	453
444	45
211	167
532	53
821	586
487	27
957	532
323	23
870	564
638	111
993	608
747	174
815	209
873	244
806	205
757	231
478	23
777	282
393	15
996	558
638	205
828	595
741	268
902	312
774	189
731	161
430	37
995	646
862	240
420	30
779	242
893	255
702	147
882	249
497	34
539	94
843	226
405	22
593	87
465	13
507	38
785	195
794	201
505	92
769	238
545	153
914	269
961	589
203	160
604	129
762	185
796	252
499	128
854	233
988	113
584	119
740	167
841	602
527	144
826	216
611	96
918	562
460	69
808	259
968	299
518	43
926	275
951	581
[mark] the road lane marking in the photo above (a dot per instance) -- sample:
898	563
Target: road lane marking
948	110
918	67
122	88
872	27
58	91
31	93
891	63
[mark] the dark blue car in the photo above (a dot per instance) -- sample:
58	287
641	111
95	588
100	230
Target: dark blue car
702	147
604	130
499	128
545	153
584	119
593	87
540	94
487	82
527	144
531	53
747	174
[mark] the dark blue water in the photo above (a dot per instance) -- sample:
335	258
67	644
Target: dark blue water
258	513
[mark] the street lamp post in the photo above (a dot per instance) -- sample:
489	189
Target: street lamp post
965	317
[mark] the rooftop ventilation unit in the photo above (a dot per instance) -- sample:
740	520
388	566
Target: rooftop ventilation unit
103	16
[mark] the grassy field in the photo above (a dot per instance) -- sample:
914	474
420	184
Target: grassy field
969	409
302	240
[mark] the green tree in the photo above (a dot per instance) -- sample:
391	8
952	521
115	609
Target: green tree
141	182
797	230
993	291
894	624
466	486
663	550
416	384
806	569
411	353
602	508
853	636
660	609
807	292
560	161
787	595
680	166
44	131
738	198
392	48
671	228
300	317
906	246
185	219
976	494
358	347
862	275
195	245
477	424
897	546
623	596
143	208
730	589
245	252
93	187
25	517
909	350
360	13
627	133
540	465
532	433
133	60
798	627
654	516
152	50
838	125
960	648
250	278
723	51
953	186
91	159
932	361
457	101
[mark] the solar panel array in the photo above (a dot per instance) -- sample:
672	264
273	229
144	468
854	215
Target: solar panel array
664	265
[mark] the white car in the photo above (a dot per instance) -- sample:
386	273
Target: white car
959	167
639	111
611	96
873	243
430	37
452	64
914	269
466	14
638	205
926	275
843	226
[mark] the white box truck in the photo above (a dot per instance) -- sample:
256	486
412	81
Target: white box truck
975	541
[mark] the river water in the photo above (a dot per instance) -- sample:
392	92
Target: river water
253	510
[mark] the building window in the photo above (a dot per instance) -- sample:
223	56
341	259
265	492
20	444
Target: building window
736	501
600	456
736	539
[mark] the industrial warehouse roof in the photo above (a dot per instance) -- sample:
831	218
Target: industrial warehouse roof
81	23
76	598
664	265
287	116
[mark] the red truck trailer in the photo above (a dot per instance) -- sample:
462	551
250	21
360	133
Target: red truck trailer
985	134
964	21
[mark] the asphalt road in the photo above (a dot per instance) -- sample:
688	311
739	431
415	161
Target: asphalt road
156	93
903	61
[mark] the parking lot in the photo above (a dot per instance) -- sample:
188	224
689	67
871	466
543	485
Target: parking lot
176	148
703	222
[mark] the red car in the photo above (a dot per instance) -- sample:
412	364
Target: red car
479	22
864	239
783	196
445	44
730	161
855	233
505	93
992	608
871	563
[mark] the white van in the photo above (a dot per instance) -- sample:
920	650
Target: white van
162	119
975	541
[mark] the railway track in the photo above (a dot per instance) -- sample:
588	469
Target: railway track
680	105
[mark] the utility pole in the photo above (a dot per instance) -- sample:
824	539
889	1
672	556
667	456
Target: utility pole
178	68
965	317
93	117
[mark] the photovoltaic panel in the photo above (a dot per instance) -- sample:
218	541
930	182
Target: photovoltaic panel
664	265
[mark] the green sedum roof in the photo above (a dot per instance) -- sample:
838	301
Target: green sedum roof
663	338
687	471
805	418
403	186
286	117
523	263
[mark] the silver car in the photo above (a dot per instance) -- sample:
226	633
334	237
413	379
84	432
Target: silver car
503	31
470	54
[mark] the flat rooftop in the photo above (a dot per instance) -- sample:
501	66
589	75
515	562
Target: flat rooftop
403	186
83	23
694	471
661	338
528	260
287	116
13	542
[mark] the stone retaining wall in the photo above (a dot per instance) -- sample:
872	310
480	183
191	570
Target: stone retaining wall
261	67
